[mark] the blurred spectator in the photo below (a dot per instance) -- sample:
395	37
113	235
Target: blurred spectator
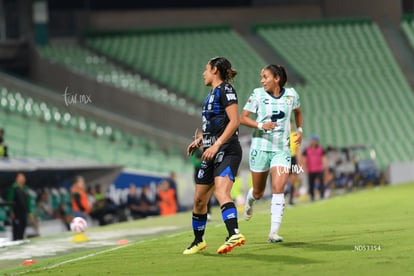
173	185
150	208
140	206
19	195
80	203
44	210
91	196
104	209
64	211
98	193
133	203
166	199
3	214
3	145
314	156
329	180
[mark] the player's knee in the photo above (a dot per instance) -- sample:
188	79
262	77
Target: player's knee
199	203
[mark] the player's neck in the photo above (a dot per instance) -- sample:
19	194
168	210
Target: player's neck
277	91
216	83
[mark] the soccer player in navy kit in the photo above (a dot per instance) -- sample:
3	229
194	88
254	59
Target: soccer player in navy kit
221	157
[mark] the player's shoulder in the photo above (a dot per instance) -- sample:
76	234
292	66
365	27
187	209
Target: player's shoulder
227	87
290	91
259	91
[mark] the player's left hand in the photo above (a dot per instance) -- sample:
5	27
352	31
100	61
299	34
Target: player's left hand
298	140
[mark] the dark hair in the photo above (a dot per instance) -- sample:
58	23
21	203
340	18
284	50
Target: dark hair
278	70
223	66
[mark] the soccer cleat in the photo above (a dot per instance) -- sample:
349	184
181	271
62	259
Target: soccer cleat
195	247
248	210
232	242
273	238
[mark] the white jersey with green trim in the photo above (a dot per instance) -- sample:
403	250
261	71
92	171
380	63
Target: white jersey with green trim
276	109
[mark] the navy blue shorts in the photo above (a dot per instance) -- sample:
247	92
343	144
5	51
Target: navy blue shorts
226	162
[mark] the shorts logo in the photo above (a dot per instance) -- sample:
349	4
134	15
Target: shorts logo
200	173
219	157
252	161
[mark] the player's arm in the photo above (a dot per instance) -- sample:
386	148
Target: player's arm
246	120
234	122
298	121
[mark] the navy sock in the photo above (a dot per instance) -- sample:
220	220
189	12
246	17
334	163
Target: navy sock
199	226
229	214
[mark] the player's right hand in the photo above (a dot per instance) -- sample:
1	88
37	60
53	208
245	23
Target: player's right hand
269	125
193	146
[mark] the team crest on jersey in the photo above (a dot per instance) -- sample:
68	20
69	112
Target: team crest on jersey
289	100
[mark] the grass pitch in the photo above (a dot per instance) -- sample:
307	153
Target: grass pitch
367	232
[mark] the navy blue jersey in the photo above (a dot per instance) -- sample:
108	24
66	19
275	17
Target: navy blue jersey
214	114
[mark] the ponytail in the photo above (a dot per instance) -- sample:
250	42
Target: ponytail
223	66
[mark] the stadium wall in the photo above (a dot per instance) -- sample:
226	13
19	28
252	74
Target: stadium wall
379	10
400	173
239	18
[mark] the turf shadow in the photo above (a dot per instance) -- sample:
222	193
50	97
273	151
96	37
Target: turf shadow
281	259
318	246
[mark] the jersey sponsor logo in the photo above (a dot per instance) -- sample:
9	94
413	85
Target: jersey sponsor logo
277	115
228	88
208	141
231	97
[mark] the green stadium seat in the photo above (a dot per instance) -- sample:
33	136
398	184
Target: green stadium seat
43	130
177	57
83	61
350	77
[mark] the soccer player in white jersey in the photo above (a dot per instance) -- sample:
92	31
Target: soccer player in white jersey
273	105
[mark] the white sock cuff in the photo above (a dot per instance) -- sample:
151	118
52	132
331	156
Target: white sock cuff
278	198
250	194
